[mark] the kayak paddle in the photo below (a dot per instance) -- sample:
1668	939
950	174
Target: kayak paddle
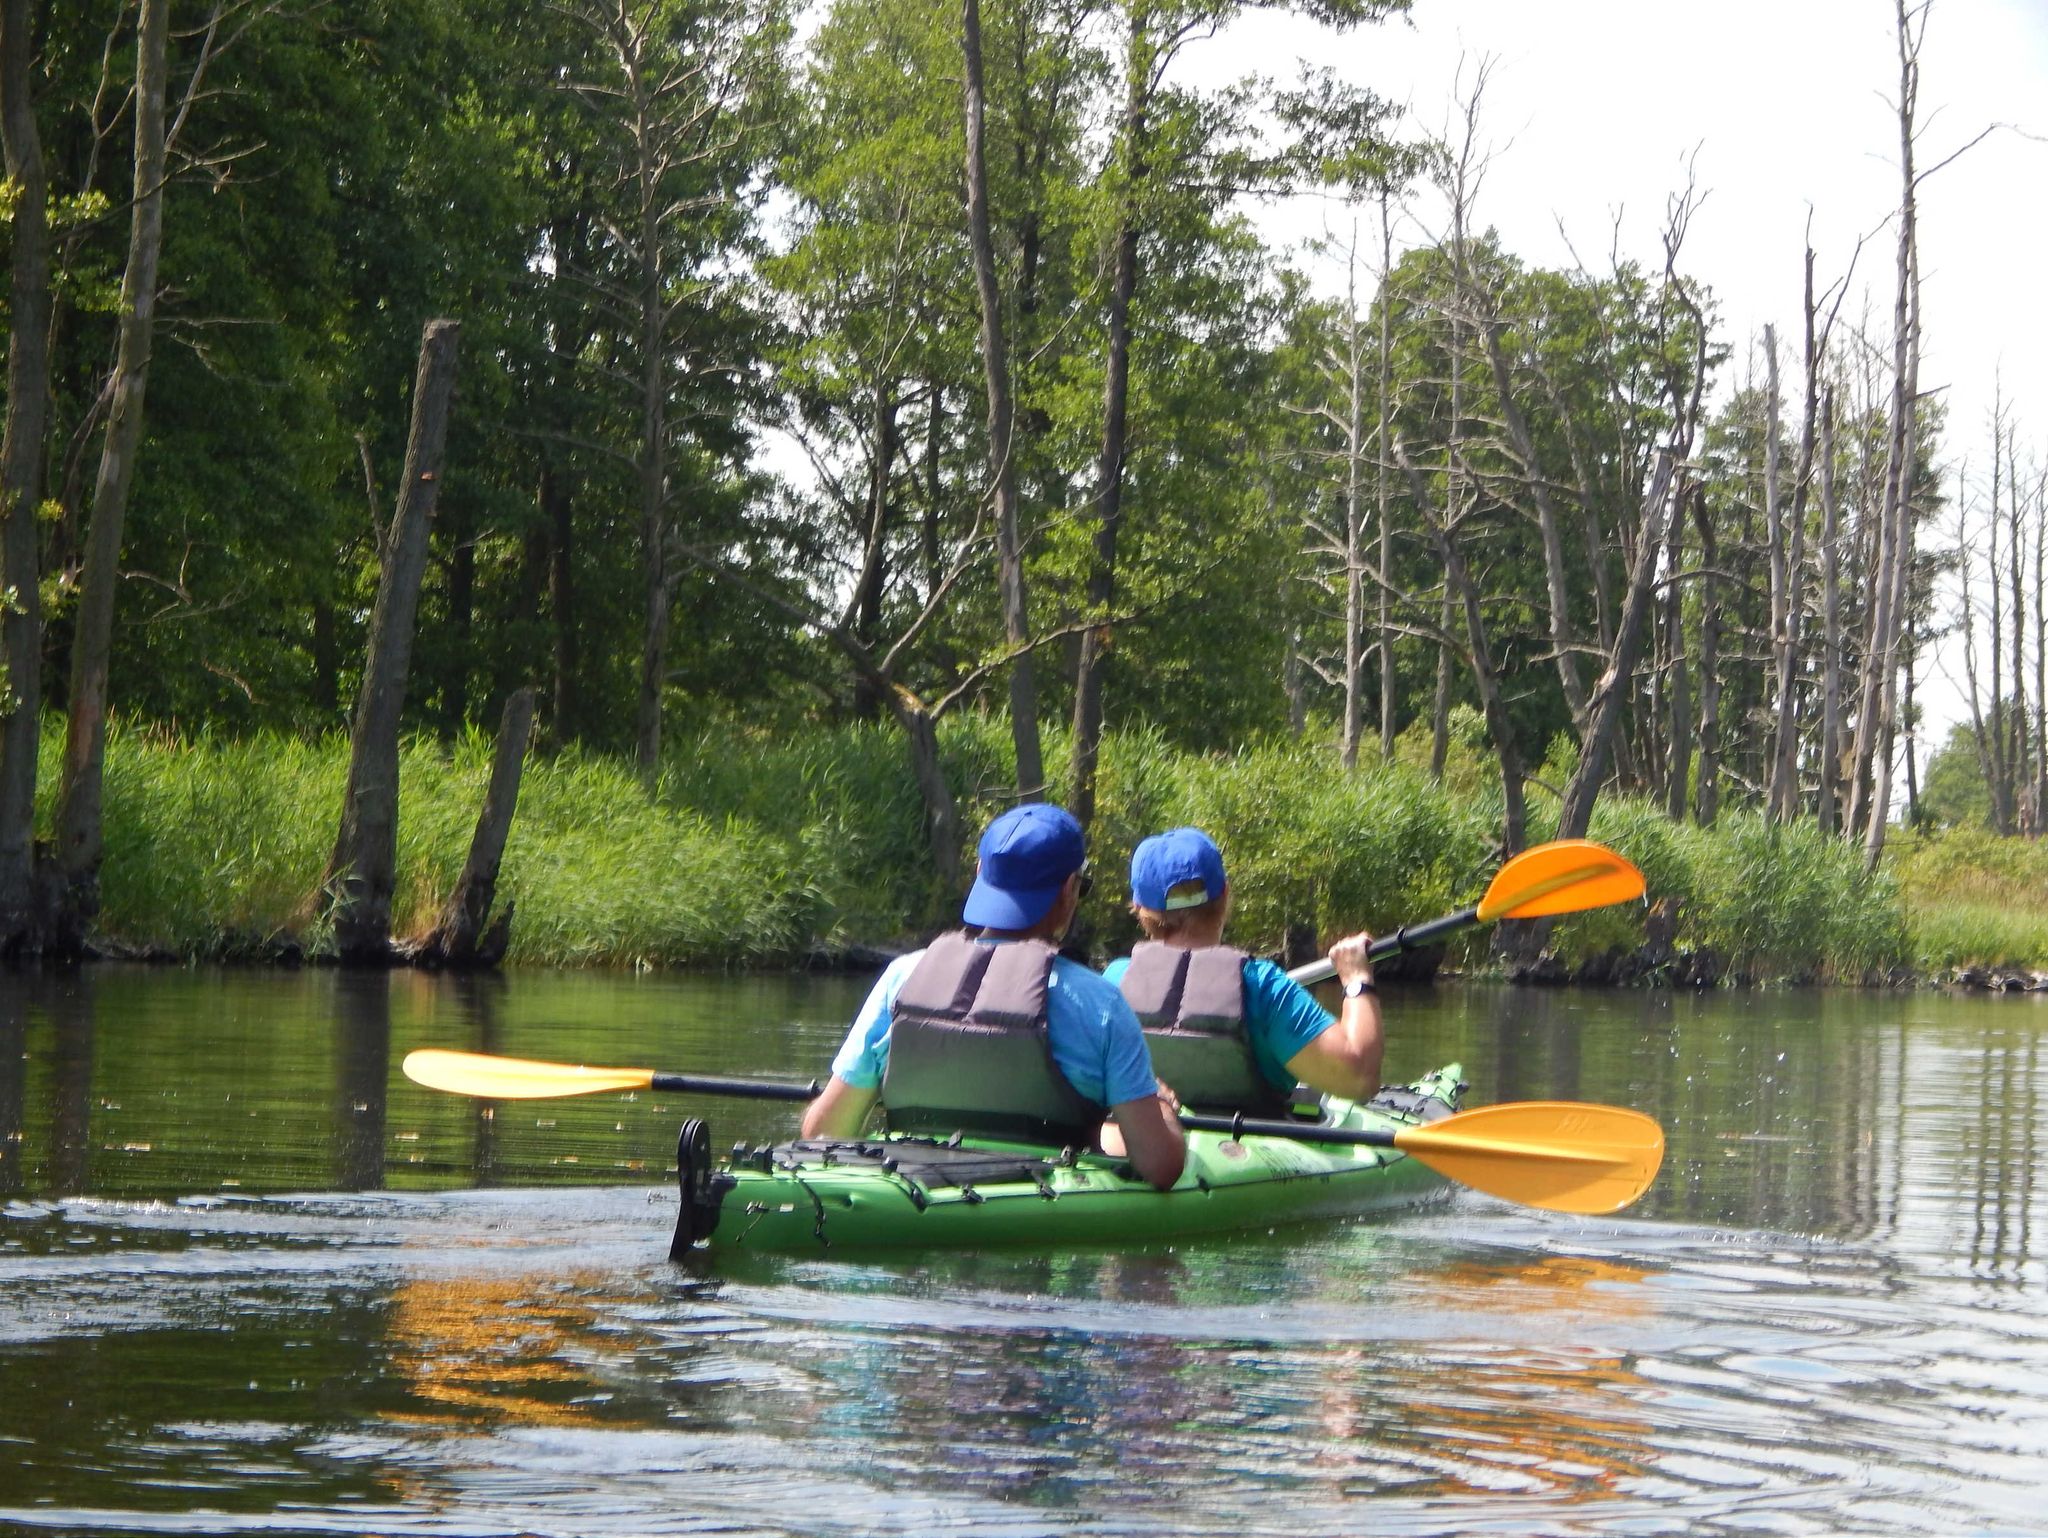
519	1078
1568	876
1562	1155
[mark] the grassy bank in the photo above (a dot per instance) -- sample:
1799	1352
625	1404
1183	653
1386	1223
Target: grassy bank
757	848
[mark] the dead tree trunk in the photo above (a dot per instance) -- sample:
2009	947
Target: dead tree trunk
85	739
1780	576
1707	799
21	477
1380	441
1877	719
1828	809
1354	528
995	360
1116	392
464	935
362	871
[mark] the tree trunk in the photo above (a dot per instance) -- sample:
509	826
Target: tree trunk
658	583
1785	768
1781	580
85	741
1354	535
1610	694
557	513
2022	772
1678	751
460	938
1875	721
1116	390
1562	644
941	811
1707	797
1828	809
1002	466
1380	442
21	477
362	872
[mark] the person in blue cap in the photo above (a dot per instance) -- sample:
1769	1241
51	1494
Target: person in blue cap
988	1030
1228	1029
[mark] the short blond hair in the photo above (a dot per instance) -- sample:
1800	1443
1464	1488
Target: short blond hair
1164	926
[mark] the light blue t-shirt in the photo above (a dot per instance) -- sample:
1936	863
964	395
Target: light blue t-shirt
1095	1040
1280	1016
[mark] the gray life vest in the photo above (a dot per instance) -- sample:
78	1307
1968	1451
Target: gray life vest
968	1050
1191	1004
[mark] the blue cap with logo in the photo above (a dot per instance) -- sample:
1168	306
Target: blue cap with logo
1027	854
1180	868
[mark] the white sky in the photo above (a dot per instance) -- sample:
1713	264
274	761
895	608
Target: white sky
1593	107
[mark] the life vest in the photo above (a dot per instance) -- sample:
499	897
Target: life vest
968	1050
1191	1004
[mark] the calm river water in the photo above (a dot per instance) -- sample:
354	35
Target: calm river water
251	1279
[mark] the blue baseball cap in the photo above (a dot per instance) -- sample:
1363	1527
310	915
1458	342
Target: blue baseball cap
1180	857
1027	854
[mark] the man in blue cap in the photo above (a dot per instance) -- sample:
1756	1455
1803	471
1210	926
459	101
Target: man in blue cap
989	1030
1233	1031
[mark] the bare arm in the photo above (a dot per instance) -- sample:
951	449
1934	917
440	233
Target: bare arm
1345	1059
1152	1138
840	1110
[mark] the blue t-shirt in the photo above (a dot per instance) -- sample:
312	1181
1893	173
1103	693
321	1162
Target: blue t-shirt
1094	1037
1280	1016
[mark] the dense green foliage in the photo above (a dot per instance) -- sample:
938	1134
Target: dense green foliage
761	846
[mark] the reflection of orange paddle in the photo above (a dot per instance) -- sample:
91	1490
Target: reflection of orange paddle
1568	876
1559	1154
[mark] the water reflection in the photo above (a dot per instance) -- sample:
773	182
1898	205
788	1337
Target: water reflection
362	1057
1824	1319
13	1090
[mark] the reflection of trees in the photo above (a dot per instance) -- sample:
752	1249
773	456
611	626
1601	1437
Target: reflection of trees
68	999
2006	1140
13	1091
362	1044
479	996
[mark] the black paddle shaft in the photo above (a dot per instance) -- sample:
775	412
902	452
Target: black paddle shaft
1300	1132
1411	937
743	1089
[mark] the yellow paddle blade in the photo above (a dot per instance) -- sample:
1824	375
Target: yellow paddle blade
515	1078
1560	1154
1568	876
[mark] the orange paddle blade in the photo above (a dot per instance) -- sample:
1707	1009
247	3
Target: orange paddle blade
1560	1154
1568	876
515	1078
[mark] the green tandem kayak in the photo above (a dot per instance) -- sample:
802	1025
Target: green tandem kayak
902	1192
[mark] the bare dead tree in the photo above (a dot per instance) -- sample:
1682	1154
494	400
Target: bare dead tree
1660	502
21	474
1001	419
78	843
355	894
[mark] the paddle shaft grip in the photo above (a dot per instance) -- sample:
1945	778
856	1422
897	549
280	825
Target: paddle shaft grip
1246	1126
743	1089
1408	937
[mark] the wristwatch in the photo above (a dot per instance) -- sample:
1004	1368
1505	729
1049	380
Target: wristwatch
1358	987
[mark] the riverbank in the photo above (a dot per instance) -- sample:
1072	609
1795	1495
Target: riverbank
768	849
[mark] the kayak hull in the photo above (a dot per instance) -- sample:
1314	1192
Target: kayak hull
903	1193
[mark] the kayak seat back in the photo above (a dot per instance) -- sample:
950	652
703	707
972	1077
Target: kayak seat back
968	1050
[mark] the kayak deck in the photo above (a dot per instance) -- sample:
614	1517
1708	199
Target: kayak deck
902	1192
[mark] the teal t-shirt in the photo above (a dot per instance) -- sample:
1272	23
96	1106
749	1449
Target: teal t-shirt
1091	1031
1280	1016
